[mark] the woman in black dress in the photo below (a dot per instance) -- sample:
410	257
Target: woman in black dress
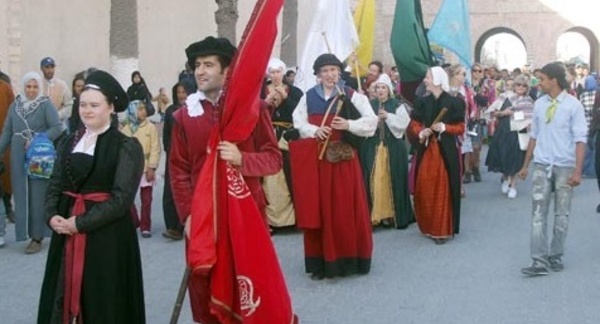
93	271
513	110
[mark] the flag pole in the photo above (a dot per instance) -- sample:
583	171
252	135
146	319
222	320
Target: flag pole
357	68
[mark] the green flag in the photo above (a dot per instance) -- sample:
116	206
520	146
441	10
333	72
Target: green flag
409	43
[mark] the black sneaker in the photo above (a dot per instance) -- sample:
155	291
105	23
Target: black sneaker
556	264
536	269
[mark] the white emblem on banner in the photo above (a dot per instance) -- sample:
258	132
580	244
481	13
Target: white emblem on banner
248	304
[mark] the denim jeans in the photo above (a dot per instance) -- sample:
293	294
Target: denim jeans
589	170
550	182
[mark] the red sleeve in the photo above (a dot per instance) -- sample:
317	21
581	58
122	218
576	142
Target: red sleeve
266	159
413	130
455	129
180	169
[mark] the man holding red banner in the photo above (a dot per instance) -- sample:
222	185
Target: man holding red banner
253	158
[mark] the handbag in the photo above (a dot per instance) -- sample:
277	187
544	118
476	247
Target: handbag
338	151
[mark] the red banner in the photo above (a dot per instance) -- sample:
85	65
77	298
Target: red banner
228	239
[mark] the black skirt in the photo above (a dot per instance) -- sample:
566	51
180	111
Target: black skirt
505	154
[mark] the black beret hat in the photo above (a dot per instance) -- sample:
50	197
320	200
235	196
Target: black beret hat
326	59
110	87
556	70
209	46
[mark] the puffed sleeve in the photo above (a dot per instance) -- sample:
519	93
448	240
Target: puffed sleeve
366	125
300	115
398	122
129	170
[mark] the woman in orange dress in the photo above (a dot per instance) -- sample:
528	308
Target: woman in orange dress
437	187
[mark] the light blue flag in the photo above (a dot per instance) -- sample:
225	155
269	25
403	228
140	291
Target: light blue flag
451	29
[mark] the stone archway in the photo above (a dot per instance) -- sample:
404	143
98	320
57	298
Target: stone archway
494	31
594	45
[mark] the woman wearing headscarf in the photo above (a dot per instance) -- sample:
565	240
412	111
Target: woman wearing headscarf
138	90
30	113
513	111
283	99
93	271
435	134
384	160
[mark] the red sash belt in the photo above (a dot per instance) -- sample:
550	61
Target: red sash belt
75	257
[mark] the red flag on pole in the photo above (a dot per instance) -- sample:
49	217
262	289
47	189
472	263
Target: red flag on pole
229	240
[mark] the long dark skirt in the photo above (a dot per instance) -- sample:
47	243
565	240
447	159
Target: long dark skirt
505	155
112	289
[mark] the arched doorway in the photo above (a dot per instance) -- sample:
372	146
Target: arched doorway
501	47
578	45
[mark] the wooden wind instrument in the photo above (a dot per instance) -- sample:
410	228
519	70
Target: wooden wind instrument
436	120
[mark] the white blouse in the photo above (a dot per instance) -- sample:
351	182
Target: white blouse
364	126
87	143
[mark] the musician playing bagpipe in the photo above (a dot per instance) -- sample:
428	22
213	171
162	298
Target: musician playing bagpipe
329	193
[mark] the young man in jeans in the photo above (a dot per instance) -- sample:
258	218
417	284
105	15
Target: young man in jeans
557	144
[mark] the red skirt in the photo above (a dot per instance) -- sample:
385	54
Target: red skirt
331	209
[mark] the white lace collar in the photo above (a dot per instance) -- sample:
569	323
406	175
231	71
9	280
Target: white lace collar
194	104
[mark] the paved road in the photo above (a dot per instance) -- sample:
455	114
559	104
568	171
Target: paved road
474	278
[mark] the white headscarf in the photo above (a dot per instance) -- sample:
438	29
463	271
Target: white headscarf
385	79
440	78
28	77
276	64
25	106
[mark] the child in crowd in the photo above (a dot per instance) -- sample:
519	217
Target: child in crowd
139	127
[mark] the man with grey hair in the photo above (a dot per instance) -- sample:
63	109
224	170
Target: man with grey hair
557	145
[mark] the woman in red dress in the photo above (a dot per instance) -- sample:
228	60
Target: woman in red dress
437	187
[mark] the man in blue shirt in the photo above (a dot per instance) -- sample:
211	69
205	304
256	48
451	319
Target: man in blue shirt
557	145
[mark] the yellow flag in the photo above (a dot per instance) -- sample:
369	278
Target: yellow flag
364	19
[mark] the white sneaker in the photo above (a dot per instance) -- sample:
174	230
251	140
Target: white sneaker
505	186
512	193
1	241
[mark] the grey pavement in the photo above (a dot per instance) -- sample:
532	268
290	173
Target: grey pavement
474	278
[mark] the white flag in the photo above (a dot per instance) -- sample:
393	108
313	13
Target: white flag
332	31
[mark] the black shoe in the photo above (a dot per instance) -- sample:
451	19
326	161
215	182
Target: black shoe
556	264
476	175
536	269
598	209
172	234
440	241
317	276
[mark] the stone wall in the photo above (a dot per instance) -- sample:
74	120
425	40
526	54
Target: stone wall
77	33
